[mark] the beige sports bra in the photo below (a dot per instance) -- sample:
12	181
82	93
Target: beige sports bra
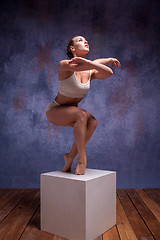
71	87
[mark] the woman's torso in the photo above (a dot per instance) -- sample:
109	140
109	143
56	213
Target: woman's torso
82	77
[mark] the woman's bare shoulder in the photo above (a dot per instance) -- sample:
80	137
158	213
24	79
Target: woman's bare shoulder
63	64
63	61
64	70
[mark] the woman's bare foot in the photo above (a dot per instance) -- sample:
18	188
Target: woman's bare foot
81	166
68	162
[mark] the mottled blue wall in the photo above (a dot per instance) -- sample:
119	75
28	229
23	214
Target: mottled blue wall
33	39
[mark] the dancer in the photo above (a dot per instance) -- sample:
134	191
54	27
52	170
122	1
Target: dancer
75	76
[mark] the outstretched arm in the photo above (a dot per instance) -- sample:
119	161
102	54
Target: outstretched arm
104	61
109	61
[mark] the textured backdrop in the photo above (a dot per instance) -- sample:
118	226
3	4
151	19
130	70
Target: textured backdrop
33	39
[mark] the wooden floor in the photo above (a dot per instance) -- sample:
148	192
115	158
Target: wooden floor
138	215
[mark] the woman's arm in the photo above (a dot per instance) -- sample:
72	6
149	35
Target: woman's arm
81	64
102	60
109	61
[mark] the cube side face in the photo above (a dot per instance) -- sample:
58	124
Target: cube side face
100	205
63	207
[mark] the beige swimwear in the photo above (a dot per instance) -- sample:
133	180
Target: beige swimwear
71	87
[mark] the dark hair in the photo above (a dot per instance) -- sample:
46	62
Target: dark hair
70	43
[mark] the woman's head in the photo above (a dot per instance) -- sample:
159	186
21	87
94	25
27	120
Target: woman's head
77	46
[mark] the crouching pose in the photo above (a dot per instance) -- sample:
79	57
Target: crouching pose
75	76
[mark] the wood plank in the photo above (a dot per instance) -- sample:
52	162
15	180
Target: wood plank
16	198
33	232
14	224
7	196
138	226
153	195
148	217
111	234
134	209
157	189
3	191
58	238
100	238
155	209
123	225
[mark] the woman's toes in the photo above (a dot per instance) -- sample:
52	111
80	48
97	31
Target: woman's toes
80	170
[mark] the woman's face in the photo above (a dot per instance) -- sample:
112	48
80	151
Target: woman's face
80	46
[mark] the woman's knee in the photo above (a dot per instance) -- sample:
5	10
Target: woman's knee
82	116
93	122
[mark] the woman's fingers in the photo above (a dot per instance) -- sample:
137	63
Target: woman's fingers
117	63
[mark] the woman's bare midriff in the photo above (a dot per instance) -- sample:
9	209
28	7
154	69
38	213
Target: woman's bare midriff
63	100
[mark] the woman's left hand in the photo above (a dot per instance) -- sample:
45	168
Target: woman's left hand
114	61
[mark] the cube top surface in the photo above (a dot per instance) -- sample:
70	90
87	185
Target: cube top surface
89	174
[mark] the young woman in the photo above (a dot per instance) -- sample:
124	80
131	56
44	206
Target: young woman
75	76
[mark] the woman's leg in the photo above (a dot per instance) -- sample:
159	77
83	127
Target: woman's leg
77	118
69	157
91	126
79	132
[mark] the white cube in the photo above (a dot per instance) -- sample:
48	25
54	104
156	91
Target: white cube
78	207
